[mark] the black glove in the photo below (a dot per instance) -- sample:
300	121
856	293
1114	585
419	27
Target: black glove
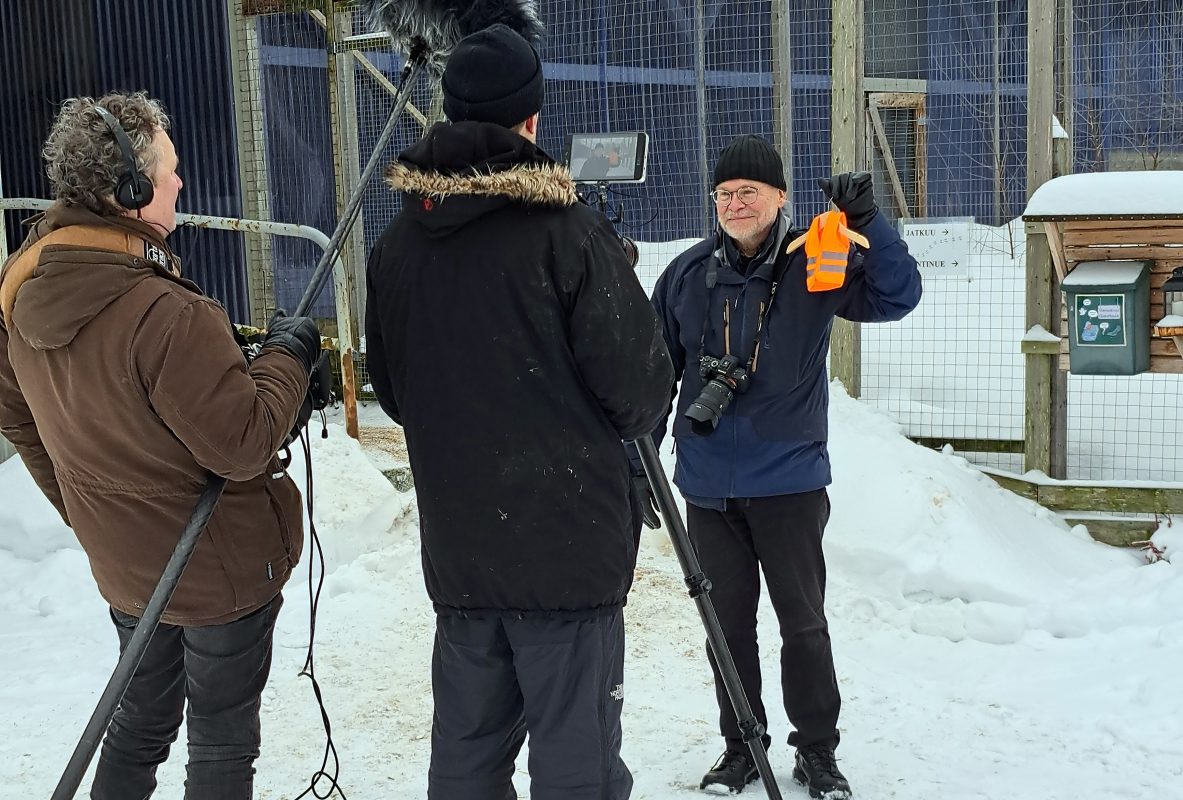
854	194
298	336
644	498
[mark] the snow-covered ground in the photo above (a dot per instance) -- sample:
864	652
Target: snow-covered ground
984	649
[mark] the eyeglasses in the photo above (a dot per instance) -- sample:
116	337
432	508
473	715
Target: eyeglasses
746	194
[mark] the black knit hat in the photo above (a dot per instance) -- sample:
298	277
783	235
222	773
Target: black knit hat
493	75
753	158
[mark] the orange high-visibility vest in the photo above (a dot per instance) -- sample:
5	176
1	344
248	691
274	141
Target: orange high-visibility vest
827	250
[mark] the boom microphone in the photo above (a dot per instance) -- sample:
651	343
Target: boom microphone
437	25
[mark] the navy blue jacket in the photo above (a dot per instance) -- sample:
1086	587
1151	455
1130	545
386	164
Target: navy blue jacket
772	439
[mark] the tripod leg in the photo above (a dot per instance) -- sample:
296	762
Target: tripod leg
700	588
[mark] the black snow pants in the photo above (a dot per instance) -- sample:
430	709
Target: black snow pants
562	681
781	535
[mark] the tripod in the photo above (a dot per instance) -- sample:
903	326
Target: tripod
700	587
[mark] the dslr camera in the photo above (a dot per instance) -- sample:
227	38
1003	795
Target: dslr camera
724	377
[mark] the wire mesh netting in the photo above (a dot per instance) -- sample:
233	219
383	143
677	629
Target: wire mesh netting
953	368
1127	114
610	67
946	138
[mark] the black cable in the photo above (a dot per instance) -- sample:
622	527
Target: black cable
188	244
642	198
309	668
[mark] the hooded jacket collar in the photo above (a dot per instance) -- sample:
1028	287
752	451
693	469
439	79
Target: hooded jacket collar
71	287
461	171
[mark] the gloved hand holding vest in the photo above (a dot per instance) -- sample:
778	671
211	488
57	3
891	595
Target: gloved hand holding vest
854	195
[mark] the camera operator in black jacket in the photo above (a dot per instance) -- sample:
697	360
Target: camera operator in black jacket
508	335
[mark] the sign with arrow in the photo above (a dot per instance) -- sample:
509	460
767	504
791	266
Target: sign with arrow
940	245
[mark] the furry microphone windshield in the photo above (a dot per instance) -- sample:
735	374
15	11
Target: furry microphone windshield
440	24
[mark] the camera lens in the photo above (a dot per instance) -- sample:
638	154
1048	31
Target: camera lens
707	409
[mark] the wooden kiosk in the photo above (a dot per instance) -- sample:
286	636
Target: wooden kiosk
1117	216
1107	217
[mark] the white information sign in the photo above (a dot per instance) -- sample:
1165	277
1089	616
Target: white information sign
940	245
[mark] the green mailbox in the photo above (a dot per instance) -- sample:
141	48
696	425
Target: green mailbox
1108	317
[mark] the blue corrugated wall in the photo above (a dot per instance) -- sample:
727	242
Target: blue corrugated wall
177	52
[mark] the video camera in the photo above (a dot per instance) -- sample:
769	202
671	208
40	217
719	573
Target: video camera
604	158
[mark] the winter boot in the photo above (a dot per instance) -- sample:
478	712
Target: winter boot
734	770
817	769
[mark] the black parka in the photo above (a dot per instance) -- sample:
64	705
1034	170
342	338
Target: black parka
507	334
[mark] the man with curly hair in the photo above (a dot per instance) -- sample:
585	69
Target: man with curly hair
122	388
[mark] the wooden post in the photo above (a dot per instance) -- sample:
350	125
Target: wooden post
346	171
847	153
345	339
782	90
346	164
254	186
1045	426
996	108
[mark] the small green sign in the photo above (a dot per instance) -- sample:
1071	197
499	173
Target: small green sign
1100	320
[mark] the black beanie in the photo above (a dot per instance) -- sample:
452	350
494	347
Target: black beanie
493	75
753	158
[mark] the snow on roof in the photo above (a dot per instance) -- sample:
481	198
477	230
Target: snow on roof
1105	272
1109	194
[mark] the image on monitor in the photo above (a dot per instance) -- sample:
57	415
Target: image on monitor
608	157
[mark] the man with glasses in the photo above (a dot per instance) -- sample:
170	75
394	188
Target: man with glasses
749	342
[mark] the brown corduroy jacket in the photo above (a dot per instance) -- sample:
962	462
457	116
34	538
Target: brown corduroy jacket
122	388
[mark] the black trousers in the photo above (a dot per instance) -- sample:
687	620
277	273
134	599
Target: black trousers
781	535
221	670
561	680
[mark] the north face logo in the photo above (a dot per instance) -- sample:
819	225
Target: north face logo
618	692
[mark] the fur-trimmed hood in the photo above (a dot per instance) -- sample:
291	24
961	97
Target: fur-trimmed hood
533	184
459	172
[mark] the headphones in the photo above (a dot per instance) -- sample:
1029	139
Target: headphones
133	189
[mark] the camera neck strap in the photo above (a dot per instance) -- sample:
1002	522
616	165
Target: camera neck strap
780	265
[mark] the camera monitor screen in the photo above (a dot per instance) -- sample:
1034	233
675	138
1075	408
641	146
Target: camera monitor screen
608	157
